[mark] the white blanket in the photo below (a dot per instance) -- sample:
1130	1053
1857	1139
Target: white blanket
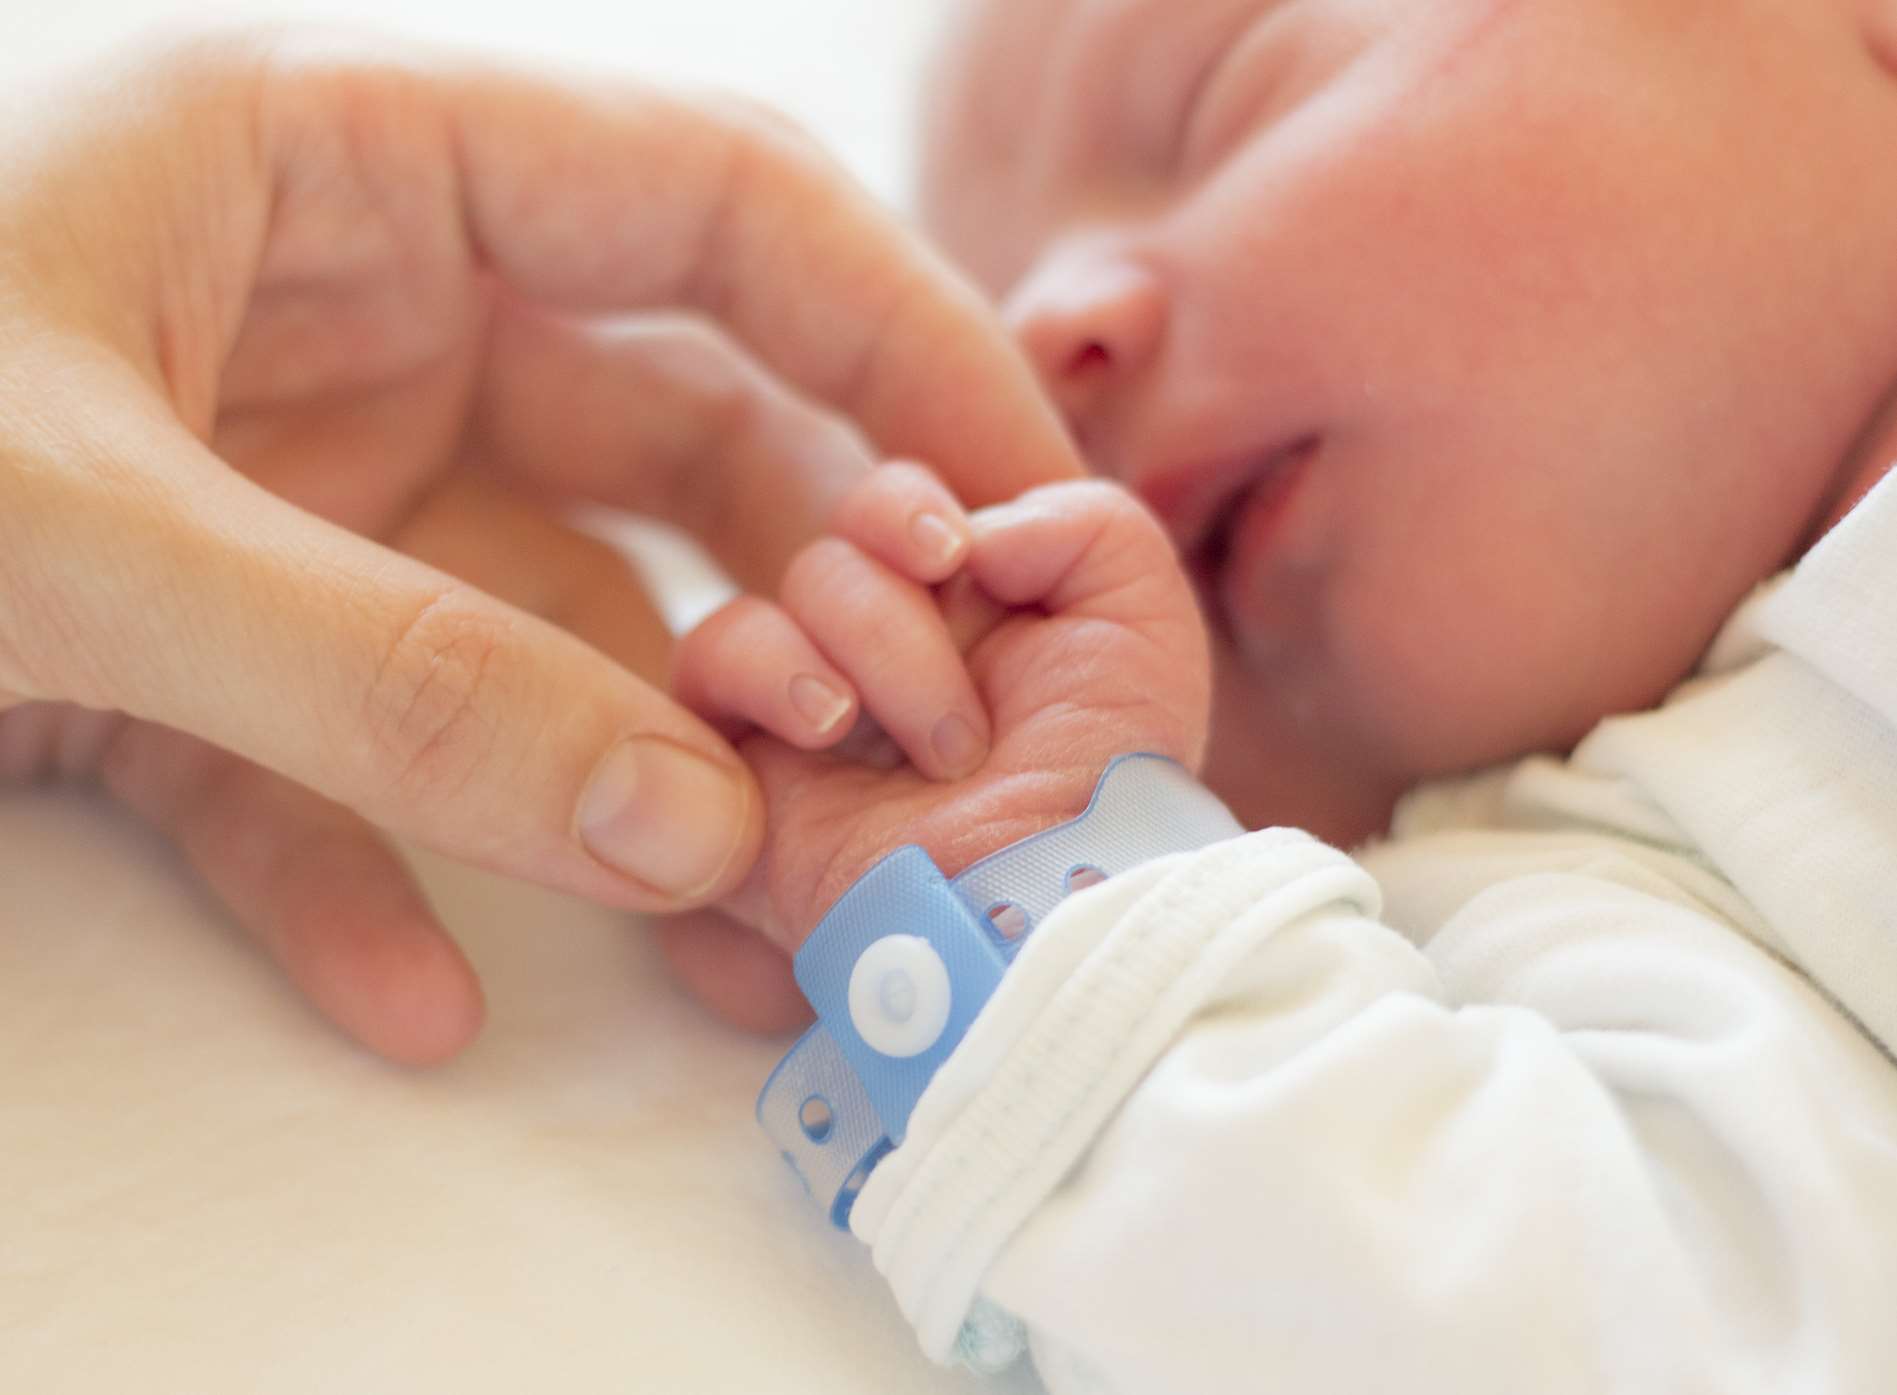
210	1191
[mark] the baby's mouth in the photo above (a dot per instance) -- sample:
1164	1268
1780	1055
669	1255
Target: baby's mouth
1234	534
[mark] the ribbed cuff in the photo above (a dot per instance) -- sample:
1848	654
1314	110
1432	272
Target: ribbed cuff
1095	998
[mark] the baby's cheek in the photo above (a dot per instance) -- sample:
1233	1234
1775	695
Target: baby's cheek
1444	679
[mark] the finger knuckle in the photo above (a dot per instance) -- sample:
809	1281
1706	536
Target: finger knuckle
895	484
776	135
824	568
765	160
335	67
433	707
1118	517
1103	498
912	476
200	53
726	633
740	621
48	608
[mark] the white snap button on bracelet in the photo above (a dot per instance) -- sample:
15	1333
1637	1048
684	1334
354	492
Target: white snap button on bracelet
899	995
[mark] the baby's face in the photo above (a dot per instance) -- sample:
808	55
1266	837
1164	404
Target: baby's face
1480	354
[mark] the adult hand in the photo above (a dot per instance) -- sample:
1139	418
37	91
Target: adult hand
305	346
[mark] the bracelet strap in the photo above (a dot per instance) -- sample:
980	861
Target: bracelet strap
903	962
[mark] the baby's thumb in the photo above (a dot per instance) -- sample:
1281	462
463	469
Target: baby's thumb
1091	558
204	603
1083	548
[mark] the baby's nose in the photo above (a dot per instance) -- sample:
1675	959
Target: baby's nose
1090	324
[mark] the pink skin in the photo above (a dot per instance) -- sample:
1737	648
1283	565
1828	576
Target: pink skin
1069	623
856	600
1479	355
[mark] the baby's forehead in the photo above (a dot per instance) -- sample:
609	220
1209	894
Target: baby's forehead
1005	66
990	45
1015	77
995	69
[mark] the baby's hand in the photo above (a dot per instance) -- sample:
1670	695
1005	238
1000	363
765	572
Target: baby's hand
1060	632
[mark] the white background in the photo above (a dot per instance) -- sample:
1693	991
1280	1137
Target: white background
845	68
206	1190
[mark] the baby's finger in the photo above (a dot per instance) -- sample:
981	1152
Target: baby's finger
905	518
887	634
750	664
1074	547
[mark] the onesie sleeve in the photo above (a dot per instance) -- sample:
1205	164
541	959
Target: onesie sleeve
1223	1130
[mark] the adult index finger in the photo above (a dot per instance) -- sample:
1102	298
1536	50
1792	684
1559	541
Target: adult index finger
603	195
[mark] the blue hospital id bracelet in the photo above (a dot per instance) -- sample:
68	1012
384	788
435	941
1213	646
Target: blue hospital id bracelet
901	965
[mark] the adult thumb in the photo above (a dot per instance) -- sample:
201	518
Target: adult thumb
154	580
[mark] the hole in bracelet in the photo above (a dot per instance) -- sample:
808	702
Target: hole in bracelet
1009	920
1080	877
816	1118
854	1183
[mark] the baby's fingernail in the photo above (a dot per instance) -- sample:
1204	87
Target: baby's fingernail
940	540
818	703
957	744
664	814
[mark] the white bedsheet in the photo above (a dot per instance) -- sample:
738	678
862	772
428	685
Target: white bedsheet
207	1190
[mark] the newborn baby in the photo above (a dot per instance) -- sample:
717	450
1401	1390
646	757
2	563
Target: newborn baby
1482	360
1480	356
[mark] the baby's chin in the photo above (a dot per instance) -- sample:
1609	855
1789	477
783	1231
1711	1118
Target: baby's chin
1278	755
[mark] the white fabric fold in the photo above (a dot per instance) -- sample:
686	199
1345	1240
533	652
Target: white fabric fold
1098	994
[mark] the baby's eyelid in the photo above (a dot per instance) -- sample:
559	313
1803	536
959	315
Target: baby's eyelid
1239	86
1192	107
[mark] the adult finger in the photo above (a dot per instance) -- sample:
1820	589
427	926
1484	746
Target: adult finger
515	550
603	196
143	575
664	416
313	884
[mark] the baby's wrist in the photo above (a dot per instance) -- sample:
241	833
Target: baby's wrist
900	967
994	813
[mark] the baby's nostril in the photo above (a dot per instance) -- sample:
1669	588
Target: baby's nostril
1089	356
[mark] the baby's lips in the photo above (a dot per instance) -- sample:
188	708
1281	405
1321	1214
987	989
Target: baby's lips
1195	499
